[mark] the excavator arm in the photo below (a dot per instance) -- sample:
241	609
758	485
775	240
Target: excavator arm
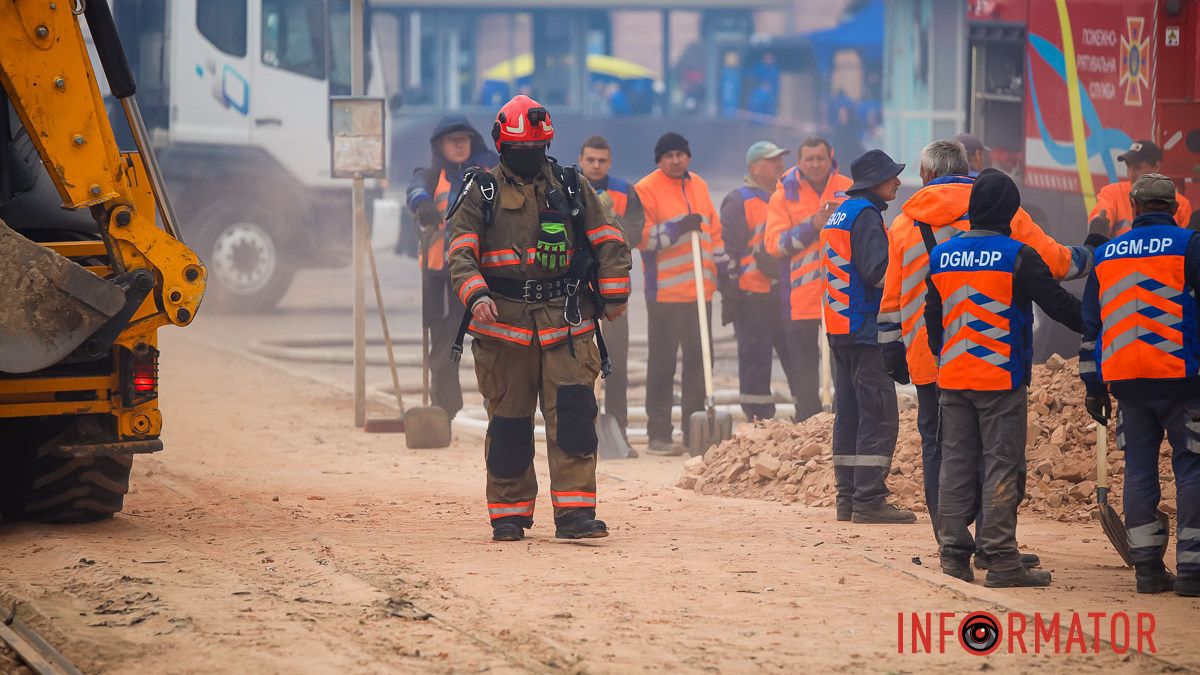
52	308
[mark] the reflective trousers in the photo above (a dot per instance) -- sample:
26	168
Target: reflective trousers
761	332
1141	425
865	427
513	379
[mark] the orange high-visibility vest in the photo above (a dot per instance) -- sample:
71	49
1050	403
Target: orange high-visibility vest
847	302
1147	313
435	257
788	235
752	279
668	263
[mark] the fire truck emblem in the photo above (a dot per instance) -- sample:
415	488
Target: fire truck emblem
1135	60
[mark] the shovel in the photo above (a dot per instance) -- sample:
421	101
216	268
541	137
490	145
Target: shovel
1114	529
1110	521
707	428
428	426
611	443
384	425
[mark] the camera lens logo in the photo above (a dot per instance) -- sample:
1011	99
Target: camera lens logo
979	633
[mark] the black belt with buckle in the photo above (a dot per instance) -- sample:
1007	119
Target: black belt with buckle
533	290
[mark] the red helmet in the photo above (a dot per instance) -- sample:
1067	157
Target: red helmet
522	120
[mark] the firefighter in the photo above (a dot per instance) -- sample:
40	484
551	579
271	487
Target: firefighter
979	320
1112	215
854	253
1141	340
676	203
537	260
751	301
937	212
454	147
595	160
806	196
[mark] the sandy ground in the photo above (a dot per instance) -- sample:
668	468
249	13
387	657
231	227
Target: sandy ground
271	536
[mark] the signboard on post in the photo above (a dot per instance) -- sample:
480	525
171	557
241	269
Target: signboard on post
357	147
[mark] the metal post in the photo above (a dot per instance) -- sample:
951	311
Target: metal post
359	229
666	62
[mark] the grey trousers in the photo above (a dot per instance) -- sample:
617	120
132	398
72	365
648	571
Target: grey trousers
982	429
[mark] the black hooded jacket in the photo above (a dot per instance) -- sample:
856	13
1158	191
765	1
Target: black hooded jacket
424	180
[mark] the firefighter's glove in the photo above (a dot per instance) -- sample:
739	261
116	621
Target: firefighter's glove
895	362
551	253
1098	404
428	214
678	228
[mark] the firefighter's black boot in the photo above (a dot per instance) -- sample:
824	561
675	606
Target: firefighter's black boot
511	528
579	524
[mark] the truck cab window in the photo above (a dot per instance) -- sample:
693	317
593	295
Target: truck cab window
223	23
293	36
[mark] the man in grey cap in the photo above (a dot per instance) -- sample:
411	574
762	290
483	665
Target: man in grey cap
1113	214
749	295
1152	367
854	249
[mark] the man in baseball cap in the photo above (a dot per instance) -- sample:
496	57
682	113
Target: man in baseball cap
979	156
1113	213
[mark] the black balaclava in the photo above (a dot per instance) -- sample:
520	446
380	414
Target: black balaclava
525	161
994	201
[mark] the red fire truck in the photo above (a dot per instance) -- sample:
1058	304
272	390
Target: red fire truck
1135	65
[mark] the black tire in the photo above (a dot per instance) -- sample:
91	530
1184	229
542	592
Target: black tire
244	249
37	485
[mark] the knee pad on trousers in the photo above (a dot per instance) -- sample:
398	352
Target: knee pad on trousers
511	451
577	410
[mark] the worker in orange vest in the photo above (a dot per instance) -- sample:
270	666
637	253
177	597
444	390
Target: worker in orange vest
677	203
937	212
751	301
1141	339
454	147
595	161
979	319
1112	216
806	196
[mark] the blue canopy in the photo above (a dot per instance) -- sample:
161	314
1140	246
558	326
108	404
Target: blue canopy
864	32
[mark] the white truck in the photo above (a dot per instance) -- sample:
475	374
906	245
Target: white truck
236	94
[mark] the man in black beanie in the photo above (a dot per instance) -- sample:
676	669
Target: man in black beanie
979	318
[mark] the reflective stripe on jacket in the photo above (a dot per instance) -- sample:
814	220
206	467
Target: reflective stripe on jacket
1147	311
751	279
667	261
848	302
791	234
987	339
435	257
943	205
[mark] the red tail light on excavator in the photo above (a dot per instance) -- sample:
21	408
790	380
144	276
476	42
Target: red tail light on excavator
139	375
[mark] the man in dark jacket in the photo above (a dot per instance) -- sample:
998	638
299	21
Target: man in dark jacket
854	249
455	147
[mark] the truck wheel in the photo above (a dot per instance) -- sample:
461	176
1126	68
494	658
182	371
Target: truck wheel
248	269
37	485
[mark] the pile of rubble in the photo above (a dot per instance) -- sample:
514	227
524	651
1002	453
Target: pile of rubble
792	463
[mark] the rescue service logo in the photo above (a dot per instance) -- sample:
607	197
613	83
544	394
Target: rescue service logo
984	633
1135	60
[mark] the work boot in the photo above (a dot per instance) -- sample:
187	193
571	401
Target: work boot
883	514
959	569
507	532
665	448
579	524
1021	577
1153	577
844	513
984	561
1188	588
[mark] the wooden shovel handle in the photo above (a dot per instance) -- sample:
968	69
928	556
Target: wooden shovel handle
1101	456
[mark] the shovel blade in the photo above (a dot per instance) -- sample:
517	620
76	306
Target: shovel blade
426	427
611	442
49	305
703	432
1114	529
